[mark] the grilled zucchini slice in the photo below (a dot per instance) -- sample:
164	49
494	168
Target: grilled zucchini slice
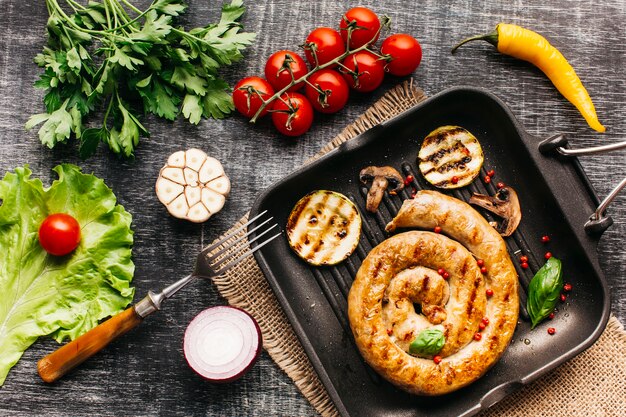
324	227
450	157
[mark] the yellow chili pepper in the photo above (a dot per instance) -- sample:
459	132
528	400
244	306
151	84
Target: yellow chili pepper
530	46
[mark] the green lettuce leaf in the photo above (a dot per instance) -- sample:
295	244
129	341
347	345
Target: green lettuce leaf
59	296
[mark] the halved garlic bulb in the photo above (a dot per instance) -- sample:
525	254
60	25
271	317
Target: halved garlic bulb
192	185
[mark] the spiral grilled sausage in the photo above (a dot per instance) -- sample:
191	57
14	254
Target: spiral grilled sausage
402	271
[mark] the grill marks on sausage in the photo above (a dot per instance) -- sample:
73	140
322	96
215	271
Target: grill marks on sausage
377	267
416	252
425	283
464	268
472	298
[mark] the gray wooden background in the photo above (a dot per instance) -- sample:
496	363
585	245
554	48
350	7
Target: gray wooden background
144	373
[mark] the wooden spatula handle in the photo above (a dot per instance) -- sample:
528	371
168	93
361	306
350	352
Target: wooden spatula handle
67	357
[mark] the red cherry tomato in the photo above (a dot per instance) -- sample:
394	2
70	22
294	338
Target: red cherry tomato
367	71
59	234
365	23
247	95
327	44
405	53
277	70
335	91
293	115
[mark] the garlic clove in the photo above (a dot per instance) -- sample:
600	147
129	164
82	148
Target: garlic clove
193	195
167	190
177	159
192	185
220	185
191	177
194	158
211	169
173	174
178	207
198	213
212	201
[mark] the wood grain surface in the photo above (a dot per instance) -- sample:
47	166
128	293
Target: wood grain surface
144	372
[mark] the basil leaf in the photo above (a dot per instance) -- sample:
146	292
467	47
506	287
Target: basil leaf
429	342
544	291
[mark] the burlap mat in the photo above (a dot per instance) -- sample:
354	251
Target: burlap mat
592	384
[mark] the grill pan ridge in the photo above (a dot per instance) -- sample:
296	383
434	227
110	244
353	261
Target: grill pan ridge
556	199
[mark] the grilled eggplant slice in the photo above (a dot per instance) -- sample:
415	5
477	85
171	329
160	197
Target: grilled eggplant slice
450	157
324	227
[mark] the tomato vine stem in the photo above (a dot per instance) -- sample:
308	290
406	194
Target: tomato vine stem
318	67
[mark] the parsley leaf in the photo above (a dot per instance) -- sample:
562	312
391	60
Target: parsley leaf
192	108
217	102
140	59
159	99
186	80
57	127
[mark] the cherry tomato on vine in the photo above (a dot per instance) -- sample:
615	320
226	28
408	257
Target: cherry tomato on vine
405	53
247	95
334	94
292	114
277	70
59	234
327	44
363	71
365	23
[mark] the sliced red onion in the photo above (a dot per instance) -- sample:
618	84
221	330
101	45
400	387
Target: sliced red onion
222	343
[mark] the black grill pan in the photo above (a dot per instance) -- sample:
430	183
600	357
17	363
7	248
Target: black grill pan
556	199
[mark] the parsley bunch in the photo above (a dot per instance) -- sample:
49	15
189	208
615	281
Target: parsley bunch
110	55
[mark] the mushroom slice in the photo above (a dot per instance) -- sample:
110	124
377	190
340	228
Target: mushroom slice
450	157
505	205
192	185
382	178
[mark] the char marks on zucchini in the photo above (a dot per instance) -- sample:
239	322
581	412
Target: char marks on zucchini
450	157
324	227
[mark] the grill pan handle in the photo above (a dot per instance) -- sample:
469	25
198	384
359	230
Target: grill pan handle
598	222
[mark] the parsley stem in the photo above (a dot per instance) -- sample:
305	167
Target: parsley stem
124	17
106	11
130	5
75	5
56	9
110	8
189	35
106	114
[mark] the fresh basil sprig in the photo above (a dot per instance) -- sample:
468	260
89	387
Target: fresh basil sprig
544	291
429	342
